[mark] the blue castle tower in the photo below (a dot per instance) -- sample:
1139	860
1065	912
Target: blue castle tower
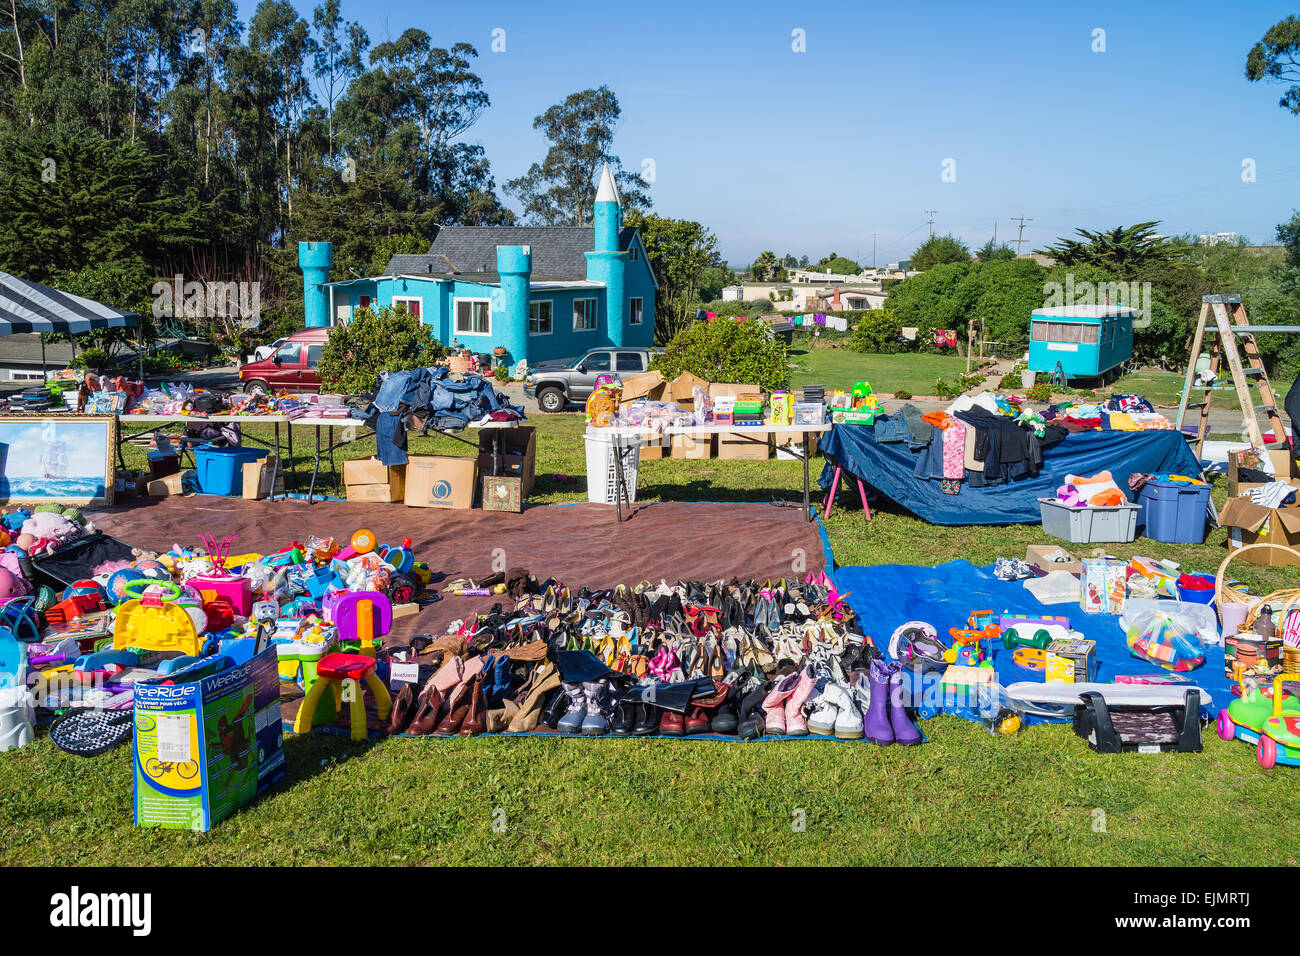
607	263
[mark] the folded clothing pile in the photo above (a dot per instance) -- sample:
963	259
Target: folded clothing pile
1099	491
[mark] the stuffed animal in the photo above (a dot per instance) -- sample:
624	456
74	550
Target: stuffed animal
12	582
44	531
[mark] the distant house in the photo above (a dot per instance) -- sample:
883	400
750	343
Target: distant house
733	293
540	293
20	357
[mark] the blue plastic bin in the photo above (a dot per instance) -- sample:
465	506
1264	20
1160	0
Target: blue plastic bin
221	468
1174	511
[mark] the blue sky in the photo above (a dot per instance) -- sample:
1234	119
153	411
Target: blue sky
814	151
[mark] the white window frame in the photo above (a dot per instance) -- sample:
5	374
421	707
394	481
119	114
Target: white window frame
593	314
631	311
455	317
406	300
539	303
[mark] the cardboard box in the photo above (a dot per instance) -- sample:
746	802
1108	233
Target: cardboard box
1039	555
682	389
129	484
1074	662
518	453
172	484
647	385
204	748
1283	470
372	471
729	388
257	478
1249	523
376	494
435	481
697	447
753	445
502	493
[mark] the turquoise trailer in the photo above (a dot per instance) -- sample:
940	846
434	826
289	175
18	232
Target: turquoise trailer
1086	341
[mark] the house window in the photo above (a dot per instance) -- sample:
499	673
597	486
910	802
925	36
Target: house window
584	315
540	317
635	308
414	305
473	317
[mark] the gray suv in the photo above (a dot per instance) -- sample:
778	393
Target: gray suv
556	384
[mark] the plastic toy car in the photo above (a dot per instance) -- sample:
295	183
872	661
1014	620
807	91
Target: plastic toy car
1279	737
1243	718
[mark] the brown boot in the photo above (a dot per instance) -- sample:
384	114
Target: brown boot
427	706
476	720
530	708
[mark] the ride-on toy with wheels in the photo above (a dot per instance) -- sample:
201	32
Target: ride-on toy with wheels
1244	717
1279	736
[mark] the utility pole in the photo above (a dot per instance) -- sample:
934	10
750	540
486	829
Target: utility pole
930	213
873	249
1020	235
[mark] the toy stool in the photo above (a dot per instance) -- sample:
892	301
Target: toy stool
835	484
300	659
336	671
362	616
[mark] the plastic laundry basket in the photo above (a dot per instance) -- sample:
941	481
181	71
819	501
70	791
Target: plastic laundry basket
221	468
1085	525
602	476
1174	511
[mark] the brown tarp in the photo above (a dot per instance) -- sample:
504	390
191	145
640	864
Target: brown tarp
581	545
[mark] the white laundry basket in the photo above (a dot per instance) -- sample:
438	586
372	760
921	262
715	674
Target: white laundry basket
602	477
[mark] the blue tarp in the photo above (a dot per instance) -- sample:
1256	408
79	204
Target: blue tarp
886	596
889	469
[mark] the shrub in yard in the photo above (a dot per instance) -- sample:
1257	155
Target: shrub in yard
877	331
723	350
388	340
90	358
945	389
501	373
1041	392
902	393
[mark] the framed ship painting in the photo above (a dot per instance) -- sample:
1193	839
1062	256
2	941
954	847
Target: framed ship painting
58	460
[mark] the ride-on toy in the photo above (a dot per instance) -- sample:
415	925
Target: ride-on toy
1279	736
1243	718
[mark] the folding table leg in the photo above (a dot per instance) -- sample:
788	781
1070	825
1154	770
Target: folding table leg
830	495
862	493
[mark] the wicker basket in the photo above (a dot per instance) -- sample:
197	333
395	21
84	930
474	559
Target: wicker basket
1281	601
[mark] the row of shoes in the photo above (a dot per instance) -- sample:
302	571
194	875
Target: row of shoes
737	658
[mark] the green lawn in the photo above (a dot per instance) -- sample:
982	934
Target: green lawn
840	367
966	797
1164	388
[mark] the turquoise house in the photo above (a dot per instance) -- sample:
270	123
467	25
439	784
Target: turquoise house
1087	341
541	293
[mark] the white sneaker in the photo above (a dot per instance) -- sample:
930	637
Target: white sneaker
825	713
848	719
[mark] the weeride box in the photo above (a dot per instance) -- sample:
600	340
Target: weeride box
205	747
434	481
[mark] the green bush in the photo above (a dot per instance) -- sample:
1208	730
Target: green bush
878	331
902	393
945	389
501	373
90	358
389	340
1041	392
724	350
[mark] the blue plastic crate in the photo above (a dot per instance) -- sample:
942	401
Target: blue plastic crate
1174	511
221	468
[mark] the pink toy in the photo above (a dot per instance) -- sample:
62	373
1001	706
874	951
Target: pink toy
221	583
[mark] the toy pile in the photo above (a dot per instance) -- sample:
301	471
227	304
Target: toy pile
723	659
179	615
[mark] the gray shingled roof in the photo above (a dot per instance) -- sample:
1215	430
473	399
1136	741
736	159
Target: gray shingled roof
559	252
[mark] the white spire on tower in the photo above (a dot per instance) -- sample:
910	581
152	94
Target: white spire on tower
607	191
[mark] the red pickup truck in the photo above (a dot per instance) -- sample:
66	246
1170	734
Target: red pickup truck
291	367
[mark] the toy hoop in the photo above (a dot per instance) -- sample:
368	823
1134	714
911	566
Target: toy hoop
130	587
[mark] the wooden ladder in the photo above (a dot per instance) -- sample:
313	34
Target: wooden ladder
1229	330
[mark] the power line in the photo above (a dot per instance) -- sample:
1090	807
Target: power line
1020	236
